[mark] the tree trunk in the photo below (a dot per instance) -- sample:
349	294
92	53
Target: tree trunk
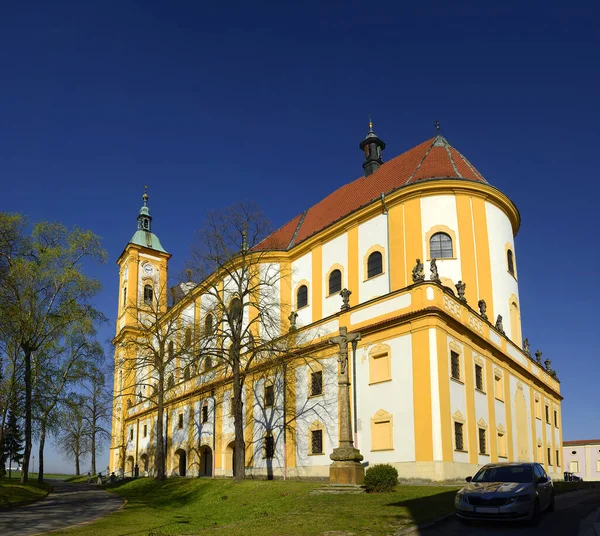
77	453
284	410
27	452
160	456
93	445
238	420
41	450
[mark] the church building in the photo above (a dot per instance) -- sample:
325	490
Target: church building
418	256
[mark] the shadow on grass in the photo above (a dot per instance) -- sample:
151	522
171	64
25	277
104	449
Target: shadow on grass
165	494
425	509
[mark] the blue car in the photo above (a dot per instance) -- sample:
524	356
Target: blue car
506	491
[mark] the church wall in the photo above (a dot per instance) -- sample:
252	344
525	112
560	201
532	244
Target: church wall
504	285
334	255
521	419
316	411
438	214
436	363
267	419
302	275
500	414
394	396
372	236
270	294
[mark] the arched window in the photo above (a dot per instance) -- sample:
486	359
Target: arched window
302	297
440	246
124	296
171	351
148	294
510	261
374	264
207	363
335	281
186	373
170	382
188	337
208	325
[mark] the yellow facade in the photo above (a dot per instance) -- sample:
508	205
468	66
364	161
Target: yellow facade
421	325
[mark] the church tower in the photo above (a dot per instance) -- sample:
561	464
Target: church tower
143	271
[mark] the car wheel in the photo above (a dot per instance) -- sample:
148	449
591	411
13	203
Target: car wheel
551	505
537	514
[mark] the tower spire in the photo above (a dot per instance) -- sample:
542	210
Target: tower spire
144	218
373	147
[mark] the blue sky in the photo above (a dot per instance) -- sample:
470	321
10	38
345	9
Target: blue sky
268	101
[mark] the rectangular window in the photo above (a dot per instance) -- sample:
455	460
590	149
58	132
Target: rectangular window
269	396
498	391
547	414
549	455
316	383
380	368
556	418
479	377
269	446
316	441
458	436
204	413
574	466
455	365
501	445
557	460
180	421
482	443
145	430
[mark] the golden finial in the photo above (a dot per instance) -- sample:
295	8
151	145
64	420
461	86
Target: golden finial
370	123
145	196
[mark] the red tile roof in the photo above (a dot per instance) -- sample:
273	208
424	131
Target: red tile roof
432	159
580	442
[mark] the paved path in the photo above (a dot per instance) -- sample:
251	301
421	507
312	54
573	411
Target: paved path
571	510
68	504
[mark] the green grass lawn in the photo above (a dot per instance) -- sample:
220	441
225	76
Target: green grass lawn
33	476
262	508
13	492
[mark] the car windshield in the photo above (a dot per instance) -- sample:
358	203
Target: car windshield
506	473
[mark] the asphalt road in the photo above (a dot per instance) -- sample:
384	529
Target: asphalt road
68	504
571	509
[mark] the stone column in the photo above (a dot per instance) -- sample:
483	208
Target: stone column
346	467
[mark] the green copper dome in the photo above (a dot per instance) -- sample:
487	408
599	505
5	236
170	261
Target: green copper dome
144	236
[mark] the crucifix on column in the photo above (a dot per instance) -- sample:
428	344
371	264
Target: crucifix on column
346	467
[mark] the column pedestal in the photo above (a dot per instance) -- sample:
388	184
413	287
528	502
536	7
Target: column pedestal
346	468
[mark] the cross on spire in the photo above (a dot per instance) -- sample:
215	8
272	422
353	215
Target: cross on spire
437	126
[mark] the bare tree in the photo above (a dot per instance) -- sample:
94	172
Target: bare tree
239	279
73	438
153	355
96	408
